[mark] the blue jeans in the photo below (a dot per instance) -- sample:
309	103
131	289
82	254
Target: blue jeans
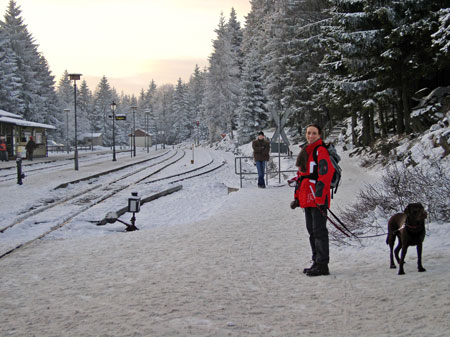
260	166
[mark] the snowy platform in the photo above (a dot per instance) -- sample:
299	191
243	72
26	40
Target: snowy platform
237	272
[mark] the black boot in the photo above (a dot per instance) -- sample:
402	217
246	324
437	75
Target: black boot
318	270
308	269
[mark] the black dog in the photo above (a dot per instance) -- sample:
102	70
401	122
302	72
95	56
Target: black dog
409	227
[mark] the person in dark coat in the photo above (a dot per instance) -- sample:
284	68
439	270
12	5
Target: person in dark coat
261	149
31	145
3	150
314	197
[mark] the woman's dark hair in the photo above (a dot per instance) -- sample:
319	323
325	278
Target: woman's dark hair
302	159
317	127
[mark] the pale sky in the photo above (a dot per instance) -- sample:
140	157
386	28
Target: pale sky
131	42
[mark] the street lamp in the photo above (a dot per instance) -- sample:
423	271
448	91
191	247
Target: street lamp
113	109
147	141
75	78
134	130
67	129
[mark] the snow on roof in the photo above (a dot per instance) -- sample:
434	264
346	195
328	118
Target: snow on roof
21	122
4	113
140	133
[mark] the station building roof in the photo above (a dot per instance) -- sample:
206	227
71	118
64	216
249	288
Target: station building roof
10	118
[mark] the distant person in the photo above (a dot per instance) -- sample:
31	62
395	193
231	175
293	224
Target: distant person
313	195
261	149
31	145
3	150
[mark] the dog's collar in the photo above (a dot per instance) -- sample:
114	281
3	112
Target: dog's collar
407	225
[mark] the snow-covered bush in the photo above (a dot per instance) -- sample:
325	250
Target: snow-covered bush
401	185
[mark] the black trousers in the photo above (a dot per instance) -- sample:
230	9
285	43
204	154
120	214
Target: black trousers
316	224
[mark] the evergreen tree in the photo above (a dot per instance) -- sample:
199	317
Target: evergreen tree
47	107
183	125
220	85
195	98
10	84
253	113
27	60
65	96
103	97
84	108
235	35
441	39
146	102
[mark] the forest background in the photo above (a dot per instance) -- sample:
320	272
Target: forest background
370	61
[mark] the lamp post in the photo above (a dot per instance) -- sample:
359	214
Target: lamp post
113	109
134	130
147	141
75	78
67	129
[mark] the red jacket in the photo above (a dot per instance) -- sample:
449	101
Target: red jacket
311	192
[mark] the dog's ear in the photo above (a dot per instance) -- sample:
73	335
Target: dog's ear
407	209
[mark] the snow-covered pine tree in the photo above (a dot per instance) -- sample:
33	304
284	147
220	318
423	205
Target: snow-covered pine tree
235	35
103	97
408	56
84	108
358	41
274	57
253	113
149	105
220	85
47	106
195	98
10	84
441	38
65	94
28	62
162	112
183	123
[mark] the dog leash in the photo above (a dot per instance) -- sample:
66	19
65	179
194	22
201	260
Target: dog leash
342	224
345	227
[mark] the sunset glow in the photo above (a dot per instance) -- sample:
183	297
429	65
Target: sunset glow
130	42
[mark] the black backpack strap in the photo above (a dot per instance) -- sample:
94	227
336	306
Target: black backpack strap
315	153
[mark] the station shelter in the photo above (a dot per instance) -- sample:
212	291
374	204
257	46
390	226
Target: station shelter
17	132
91	139
142	138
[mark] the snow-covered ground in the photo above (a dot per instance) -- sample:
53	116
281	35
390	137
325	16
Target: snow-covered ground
207	262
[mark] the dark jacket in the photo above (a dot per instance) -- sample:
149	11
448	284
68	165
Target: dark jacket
261	149
31	145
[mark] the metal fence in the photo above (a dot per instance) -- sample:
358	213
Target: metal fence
238	168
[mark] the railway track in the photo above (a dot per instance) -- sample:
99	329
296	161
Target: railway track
41	221
49	167
53	203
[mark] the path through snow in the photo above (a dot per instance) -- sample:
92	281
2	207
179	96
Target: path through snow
237	273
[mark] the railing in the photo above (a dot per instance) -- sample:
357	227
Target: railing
241	173
56	148
63	148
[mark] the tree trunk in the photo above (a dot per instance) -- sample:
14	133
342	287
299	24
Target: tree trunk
365	128
406	107
372	125
399	120
354	124
383	128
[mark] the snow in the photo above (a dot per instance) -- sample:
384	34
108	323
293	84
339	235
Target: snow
207	262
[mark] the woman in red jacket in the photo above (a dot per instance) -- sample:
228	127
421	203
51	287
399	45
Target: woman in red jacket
314	197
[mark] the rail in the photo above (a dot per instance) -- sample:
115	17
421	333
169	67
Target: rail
241	173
